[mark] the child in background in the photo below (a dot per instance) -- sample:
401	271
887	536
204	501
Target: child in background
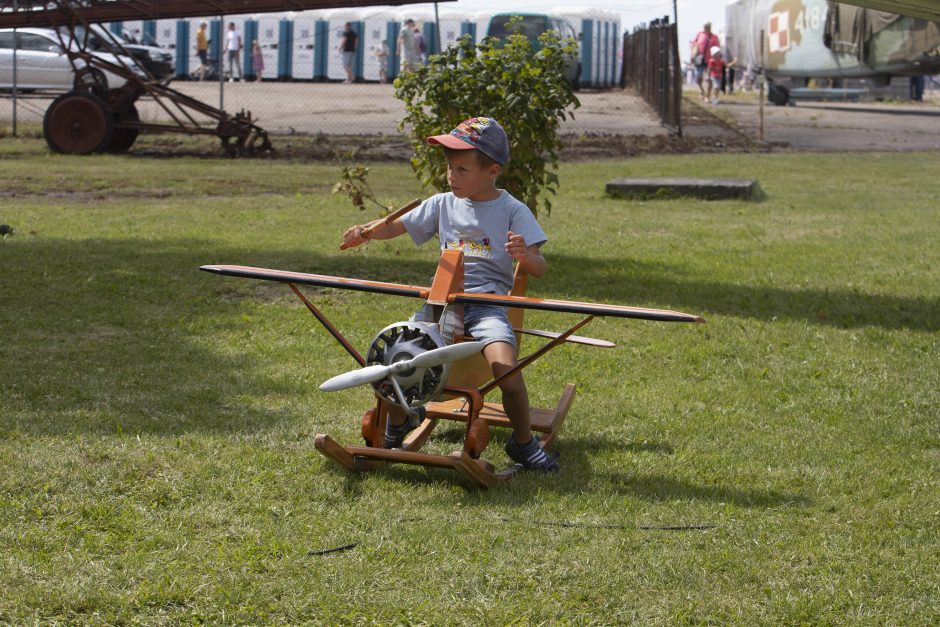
257	60
381	55
716	70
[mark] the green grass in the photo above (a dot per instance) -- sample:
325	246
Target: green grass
157	423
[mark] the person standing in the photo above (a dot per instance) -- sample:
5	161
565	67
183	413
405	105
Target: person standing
407	46
257	60
202	51
421	46
381	55
716	72
233	45
701	54
347	46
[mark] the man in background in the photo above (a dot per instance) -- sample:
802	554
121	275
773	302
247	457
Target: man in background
233	45
347	46
407	46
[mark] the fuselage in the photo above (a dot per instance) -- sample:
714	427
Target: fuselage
818	39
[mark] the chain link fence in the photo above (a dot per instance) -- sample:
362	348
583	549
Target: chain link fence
289	70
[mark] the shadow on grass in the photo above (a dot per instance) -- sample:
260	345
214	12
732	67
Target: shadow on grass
120	331
117	336
629	282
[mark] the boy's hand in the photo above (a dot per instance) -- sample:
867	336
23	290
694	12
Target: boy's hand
353	237
516	247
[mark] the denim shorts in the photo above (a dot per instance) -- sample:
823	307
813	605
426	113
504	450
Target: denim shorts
484	323
488	324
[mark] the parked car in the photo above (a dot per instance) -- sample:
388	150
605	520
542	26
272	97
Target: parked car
156	60
532	25
41	62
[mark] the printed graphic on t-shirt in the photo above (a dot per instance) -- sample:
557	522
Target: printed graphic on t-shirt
473	244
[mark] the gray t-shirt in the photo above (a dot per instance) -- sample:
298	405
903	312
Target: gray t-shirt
480	230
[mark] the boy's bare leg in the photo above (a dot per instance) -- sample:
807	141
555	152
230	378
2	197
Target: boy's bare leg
502	357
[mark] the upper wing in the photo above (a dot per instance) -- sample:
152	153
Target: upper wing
284	276
618	311
397	289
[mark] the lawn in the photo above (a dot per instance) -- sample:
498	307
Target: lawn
779	464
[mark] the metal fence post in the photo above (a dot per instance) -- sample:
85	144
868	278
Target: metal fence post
16	43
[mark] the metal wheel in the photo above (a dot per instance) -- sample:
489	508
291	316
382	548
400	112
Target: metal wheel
78	123
124	137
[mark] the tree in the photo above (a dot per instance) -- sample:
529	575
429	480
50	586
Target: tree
525	90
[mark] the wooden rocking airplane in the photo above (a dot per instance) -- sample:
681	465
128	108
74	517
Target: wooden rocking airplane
432	364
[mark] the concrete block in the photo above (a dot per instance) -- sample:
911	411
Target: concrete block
663	188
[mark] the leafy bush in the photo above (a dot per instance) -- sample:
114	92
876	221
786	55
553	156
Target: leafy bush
526	91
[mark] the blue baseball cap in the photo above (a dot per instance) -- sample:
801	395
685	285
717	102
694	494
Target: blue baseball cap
484	134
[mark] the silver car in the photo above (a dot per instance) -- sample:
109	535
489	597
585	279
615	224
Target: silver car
41	62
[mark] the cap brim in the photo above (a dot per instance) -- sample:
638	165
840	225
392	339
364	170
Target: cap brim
450	141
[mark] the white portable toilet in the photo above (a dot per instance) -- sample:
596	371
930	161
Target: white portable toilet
587	24
269	38
482	21
612	48
304	42
378	24
133	28
452	27
166	34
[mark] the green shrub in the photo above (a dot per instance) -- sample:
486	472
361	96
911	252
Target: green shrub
525	90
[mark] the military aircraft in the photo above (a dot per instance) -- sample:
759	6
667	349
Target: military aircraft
816	39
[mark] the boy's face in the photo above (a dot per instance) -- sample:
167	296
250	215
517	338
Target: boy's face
468	178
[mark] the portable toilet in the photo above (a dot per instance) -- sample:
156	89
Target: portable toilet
616	56
379	25
452	28
165	34
587	24
304	43
481	23
393	28
336	20
611	48
267	31
132	30
149	37
182	45
249	35
468	26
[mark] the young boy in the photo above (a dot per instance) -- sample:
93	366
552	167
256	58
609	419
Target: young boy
492	229
716	70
